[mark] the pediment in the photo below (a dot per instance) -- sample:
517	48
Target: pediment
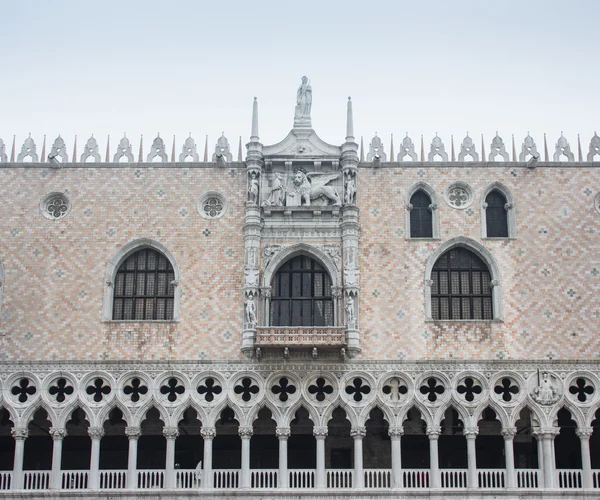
302	143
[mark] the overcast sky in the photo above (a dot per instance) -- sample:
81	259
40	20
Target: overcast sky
175	67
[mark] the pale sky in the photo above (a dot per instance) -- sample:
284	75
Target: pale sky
143	67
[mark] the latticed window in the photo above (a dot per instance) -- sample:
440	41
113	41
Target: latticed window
301	294
461	287
143	288
421	218
496	217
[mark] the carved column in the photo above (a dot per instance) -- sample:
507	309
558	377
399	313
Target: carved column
265	293
434	462
508	433
133	433
547	436
208	434
320	434
252	234
246	434
470	434
170	433
586	462
58	434
358	433
283	434
20	434
96	434
395	434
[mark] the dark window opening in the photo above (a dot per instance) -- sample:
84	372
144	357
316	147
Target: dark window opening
421	216
143	288
461	287
302	294
496	216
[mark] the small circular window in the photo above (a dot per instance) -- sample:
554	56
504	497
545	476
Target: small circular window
212	205
55	206
459	195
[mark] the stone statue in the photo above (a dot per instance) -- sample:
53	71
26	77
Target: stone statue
350	191
253	189
545	393
277	196
307	187
303	99
350	318
250	311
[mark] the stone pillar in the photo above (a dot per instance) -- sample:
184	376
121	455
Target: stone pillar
358	433
547	436
586	462
20	434
133	433
395	434
320	434
96	434
434	469
58	434
283	434
508	433
246	434
540	454
470	434
208	434
170	433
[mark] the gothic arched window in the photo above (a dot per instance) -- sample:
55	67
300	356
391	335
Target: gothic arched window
496	217
144	288
421	217
460	287
301	294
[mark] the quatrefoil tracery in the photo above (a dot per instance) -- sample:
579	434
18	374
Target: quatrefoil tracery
98	389
209	389
61	390
246	389
320	389
432	388
357	389
507	389
581	389
23	390
394	389
172	389
136	389
469	389
283	389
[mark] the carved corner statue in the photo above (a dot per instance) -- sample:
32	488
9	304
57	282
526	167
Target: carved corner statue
303	99
250	311
546	393
277	196
308	187
253	190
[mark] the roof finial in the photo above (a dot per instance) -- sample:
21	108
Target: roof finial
545	148
75	150
107	159
240	158
173	151
362	150
349	122
579	148
206	150
482	149
141	155
254	133
422	149
12	151
392	148
453	157
43	157
514	151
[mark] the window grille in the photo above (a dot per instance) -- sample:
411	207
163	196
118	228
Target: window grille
496	217
143	288
421	217
301	294
461	287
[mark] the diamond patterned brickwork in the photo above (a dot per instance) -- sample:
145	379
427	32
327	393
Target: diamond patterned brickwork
550	278
55	270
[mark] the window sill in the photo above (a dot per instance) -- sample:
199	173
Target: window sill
509	238
423	239
496	320
136	321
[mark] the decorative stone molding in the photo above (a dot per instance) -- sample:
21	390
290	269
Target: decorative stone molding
563	148
434	432
395	432
90	151
3	156
459	195
437	148
508	432
133	432
358	432
208	432
59	149
584	432
245	431
498	148
320	432
212	205
123	151
188	150
55	206
470	432
528	148
407	148
19	432
222	150
157	150
283	432
376	150
594	147
467	148
58	433
96	432
28	150
170	432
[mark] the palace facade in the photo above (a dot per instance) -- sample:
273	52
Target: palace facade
306	320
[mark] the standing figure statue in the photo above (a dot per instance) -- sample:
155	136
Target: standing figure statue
546	393
277	196
350	318
303	99
250	311
350	191
253	189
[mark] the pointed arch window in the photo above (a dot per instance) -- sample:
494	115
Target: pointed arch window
421	215
461	287
301	294
144	287
496	216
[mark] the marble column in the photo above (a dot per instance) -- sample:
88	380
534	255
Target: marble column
208	434
133	433
246	434
170	433
584	434
320	434
358	433
58	434
547	436
540	457
434	468
20	434
395	434
283	434
508	433
96	434
470	434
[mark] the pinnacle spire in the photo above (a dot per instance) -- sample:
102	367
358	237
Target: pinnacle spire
545	148
240	150
579	148
362	150
514	151
482	149
349	122
12	151
254	133
43	157
206	150
422	149
392	148
141	155
453	156
75	149
107	159
173	151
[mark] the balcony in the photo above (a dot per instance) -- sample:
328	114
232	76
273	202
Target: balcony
327	337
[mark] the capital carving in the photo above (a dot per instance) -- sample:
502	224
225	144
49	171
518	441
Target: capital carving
174	283
245	431
584	432
96	432
470	432
547	432
20	432
484	205
58	433
171	432
109	283
320	432
395	431
265	291
360	432
133	432
433	432
494	283
409	206
433	206
508	432
429	283
508	206
283	432
208	432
